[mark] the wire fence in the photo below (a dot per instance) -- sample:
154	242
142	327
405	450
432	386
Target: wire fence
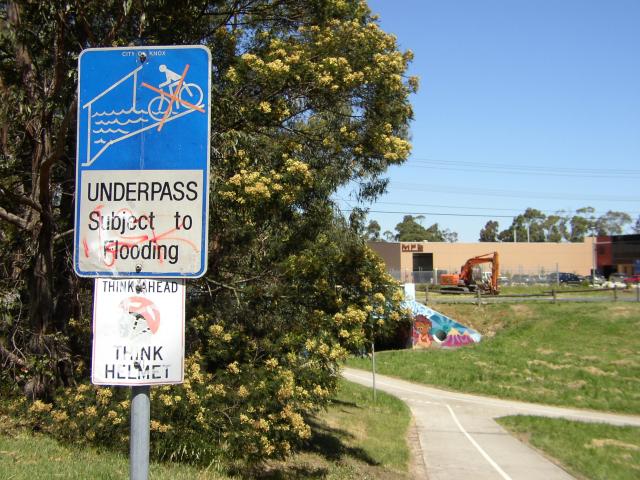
518	276
553	295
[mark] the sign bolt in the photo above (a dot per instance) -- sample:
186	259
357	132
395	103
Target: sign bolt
138	268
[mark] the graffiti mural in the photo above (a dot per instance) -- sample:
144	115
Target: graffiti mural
433	329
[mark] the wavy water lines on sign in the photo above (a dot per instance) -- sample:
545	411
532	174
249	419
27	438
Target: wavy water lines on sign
109	130
119	112
118	122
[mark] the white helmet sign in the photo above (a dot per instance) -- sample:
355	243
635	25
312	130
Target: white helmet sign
138	332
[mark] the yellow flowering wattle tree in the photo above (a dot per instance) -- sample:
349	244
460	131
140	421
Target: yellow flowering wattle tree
307	97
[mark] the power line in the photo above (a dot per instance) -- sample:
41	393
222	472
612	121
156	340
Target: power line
506	193
520	169
434	213
491	211
520	210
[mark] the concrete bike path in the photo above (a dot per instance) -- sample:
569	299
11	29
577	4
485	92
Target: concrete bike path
460	439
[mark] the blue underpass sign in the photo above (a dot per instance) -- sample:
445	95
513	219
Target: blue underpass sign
142	172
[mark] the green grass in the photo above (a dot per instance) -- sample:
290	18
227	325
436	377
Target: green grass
353	439
590	450
580	355
28	456
381	426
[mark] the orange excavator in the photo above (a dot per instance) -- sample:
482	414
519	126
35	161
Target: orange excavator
465	282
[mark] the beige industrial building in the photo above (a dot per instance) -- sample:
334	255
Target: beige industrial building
405	258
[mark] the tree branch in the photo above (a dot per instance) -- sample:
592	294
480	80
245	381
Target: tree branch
20	199
60	236
13	219
6	355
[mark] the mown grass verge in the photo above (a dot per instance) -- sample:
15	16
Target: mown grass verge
353	439
588	450
579	355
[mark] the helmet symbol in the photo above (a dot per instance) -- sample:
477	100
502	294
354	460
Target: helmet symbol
140	318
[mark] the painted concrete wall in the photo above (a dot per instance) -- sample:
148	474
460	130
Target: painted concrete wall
515	258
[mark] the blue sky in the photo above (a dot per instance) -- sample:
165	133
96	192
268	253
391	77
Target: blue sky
522	103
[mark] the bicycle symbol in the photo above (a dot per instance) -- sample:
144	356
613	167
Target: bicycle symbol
160	108
190	94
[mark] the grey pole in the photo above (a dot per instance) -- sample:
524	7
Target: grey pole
139	440
373	369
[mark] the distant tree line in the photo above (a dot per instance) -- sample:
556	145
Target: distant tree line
535	226
410	230
530	226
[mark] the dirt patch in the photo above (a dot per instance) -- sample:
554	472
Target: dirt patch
590	358
624	310
611	442
577	385
552	366
598	372
544	351
521	310
624	362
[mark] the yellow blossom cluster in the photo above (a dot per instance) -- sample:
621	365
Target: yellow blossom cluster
271	363
355	315
287	386
338	353
379	297
398	296
59	416
215	389
242	391
103	395
255	186
157	426
113	416
40	407
233	368
296	421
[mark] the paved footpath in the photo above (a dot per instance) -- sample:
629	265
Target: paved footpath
460	439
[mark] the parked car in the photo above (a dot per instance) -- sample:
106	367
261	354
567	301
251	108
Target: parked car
616	280
564	278
540	279
632	279
519	279
596	279
617	277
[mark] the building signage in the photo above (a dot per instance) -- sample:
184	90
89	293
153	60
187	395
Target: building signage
138	331
142	174
412	247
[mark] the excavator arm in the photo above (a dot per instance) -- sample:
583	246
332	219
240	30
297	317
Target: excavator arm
465	278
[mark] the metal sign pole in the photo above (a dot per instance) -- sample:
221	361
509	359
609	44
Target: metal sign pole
373	369
139	435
